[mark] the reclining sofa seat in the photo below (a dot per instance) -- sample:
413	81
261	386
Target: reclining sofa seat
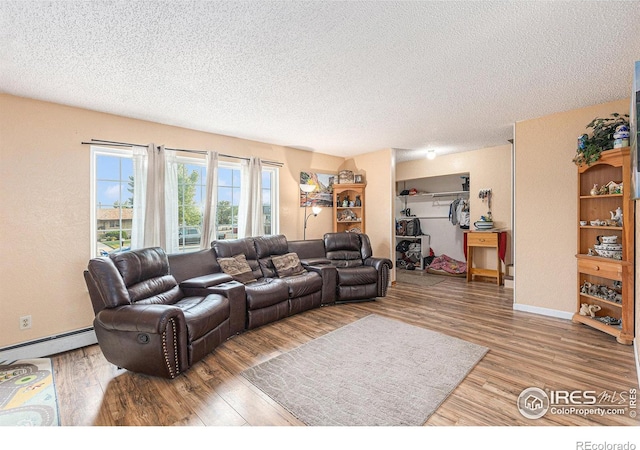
360	276
200	273
144	321
270	297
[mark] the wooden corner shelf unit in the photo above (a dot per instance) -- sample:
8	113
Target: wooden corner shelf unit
348	218
614	165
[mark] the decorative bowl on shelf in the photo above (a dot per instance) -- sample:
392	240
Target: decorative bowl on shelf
608	247
483	225
613	254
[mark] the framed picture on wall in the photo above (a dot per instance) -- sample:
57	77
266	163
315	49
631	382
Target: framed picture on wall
346	177
322	195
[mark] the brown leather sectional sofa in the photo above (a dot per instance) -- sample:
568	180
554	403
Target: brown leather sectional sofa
159	314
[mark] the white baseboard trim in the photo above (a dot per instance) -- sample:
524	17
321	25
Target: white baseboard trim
543	311
50	345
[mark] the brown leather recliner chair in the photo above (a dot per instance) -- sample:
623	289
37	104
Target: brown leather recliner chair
144	321
360	276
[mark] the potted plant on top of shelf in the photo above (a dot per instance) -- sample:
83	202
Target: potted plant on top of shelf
591	147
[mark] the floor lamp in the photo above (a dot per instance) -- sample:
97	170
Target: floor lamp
307	189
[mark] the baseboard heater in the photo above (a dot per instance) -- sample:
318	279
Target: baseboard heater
48	346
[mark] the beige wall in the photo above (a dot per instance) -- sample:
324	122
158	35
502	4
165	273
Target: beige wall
45	198
488	168
377	170
546	206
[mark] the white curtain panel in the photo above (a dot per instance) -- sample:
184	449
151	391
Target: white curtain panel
250	220
209	227
140	162
171	201
154	215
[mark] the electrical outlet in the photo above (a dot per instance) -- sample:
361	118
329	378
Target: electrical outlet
25	322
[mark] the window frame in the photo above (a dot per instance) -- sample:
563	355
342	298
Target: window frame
275	198
96	151
274	189
187	160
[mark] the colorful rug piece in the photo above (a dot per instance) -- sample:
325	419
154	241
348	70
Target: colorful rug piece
28	393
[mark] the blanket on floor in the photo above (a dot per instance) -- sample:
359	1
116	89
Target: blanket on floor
447	264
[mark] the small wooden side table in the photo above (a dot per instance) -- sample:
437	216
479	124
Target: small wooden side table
486	239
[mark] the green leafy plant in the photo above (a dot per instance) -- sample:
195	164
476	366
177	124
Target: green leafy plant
601	138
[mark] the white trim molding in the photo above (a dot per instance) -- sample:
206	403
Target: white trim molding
543	311
49	345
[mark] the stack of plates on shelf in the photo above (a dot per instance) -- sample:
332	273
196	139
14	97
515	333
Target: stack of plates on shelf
609	250
483	225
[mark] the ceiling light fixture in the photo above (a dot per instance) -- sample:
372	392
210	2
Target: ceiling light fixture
431	154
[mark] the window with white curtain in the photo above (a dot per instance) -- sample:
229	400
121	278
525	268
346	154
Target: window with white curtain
229	188
192	185
112	200
270	200
112	180
228	200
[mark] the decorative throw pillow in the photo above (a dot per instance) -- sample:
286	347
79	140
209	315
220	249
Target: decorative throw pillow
238	267
287	265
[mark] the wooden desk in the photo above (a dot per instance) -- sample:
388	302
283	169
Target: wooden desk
486	239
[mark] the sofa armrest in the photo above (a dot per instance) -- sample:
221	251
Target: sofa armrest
383	266
378	263
205	281
139	318
314	261
234	291
150	339
329	276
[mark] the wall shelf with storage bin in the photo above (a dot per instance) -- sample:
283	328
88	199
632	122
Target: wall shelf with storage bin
606	269
430	199
349	216
423	241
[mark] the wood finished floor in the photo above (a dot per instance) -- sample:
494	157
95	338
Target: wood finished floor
526	350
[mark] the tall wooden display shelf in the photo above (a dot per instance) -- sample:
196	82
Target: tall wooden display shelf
614	165
348	218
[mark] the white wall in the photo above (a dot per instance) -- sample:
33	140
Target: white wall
433	212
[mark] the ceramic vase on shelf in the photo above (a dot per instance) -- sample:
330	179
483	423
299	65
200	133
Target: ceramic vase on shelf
582	141
621	137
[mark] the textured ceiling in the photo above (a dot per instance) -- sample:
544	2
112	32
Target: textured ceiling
341	78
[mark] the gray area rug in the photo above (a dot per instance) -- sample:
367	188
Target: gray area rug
418	277
375	371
